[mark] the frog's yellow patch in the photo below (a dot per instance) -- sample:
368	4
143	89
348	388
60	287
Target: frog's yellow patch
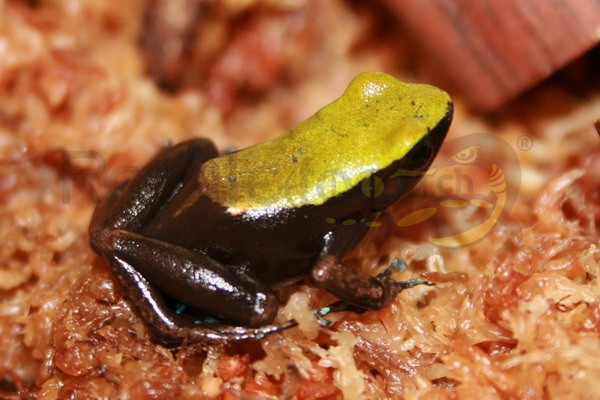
375	122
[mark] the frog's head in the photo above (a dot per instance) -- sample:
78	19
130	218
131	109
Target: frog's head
400	126
380	129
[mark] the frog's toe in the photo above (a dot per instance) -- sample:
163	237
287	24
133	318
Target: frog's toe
392	287
402	285
218	333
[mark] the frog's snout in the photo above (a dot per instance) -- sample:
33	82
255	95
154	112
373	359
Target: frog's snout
438	134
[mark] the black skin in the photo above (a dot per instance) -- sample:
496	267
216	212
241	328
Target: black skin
228	266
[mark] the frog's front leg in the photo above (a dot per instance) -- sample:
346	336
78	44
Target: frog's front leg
354	287
143	265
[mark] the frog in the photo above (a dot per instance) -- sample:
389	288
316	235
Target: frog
200	242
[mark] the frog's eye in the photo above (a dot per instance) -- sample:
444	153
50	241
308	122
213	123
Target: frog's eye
466	156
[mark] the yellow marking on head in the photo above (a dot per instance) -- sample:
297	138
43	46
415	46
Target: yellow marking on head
375	122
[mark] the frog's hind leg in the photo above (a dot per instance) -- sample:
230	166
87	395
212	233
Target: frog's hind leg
195	279
135	202
172	328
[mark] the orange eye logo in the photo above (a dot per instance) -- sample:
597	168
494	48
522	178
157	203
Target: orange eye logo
466	156
372	186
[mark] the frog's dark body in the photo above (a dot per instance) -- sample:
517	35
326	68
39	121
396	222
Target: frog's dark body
163	234
277	249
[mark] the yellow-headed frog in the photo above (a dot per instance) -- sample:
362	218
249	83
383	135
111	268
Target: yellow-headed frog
220	233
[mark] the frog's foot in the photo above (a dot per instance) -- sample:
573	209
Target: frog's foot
220	333
213	330
339	306
392	287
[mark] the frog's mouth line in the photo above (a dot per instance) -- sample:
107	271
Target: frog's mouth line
408	173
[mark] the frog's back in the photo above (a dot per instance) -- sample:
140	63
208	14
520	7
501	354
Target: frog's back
374	123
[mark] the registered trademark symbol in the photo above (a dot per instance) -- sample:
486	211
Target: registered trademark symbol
524	142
